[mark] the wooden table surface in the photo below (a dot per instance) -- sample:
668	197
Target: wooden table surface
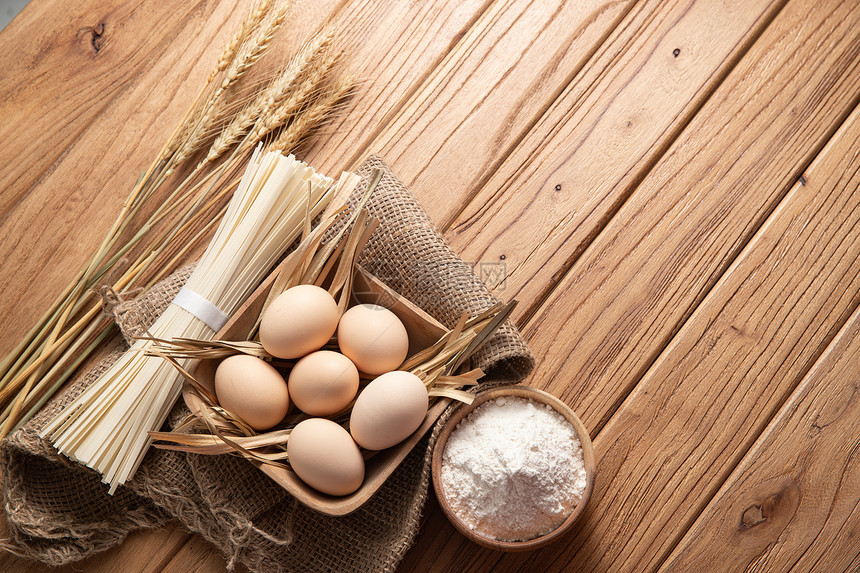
669	187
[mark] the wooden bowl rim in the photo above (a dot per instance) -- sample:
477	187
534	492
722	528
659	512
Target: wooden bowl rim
466	409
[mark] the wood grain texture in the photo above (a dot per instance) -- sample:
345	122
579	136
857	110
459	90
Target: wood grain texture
642	277
794	499
95	54
81	106
141	552
677	288
487	92
793	503
569	175
392	47
711	393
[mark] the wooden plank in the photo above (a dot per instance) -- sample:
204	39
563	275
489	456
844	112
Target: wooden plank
84	128
793	503
487	92
642	276
197	556
639	281
744	350
142	552
95	55
569	175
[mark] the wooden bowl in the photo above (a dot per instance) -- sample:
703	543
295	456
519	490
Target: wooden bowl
465	410
423	332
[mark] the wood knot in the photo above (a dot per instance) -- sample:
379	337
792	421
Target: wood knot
774	511
97	36
752	516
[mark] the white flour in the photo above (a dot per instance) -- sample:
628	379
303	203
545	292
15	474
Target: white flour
513	469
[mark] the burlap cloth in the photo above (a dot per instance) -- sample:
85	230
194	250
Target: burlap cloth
59	511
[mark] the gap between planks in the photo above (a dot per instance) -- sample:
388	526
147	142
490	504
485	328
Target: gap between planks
677	128
769	418
777	213
804	154
759	511
471	194
733	256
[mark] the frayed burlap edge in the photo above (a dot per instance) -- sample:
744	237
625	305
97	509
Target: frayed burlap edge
47	496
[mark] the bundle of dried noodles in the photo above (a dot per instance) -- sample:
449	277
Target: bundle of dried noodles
107	426
173	207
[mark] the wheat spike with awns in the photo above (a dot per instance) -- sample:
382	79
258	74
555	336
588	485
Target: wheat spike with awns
106	427
172	209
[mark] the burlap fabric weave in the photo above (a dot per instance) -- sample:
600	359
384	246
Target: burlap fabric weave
59	511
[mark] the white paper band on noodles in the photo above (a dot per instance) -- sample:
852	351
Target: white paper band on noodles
208	313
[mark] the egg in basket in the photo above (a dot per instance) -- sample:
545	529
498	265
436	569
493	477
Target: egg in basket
325	378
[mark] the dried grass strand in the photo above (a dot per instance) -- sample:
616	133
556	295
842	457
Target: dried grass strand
202	121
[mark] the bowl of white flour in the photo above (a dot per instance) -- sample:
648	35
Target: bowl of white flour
514	470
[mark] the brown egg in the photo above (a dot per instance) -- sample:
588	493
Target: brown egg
252	389
325	457
373	338
388	410
323	383
300	320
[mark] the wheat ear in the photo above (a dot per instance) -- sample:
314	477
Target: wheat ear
249	24
314	116
313	85
262	108
248	53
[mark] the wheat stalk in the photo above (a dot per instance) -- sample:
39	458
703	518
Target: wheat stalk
57	344
263	110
